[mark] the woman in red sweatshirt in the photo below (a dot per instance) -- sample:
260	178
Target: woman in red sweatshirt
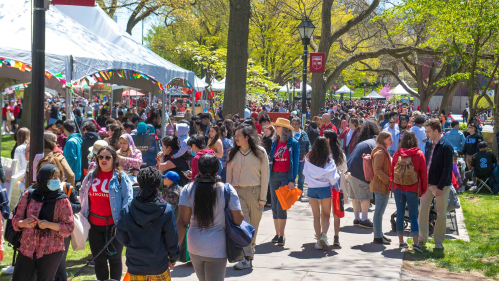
409	194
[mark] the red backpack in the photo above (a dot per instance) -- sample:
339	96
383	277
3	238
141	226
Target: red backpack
367	166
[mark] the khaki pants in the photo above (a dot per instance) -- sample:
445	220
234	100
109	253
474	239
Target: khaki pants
468	161
441	207
249	196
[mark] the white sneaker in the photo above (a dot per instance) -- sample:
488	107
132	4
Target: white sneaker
323	241
243	264
318	246
8	270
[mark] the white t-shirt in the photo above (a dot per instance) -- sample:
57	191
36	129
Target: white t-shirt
19	156
208	242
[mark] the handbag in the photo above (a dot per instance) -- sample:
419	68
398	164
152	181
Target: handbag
236	236
80	232
10	116
11	236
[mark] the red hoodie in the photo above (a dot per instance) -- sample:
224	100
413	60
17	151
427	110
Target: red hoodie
194	161
419	162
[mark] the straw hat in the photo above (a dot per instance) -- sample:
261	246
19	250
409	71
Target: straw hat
283	122
97	146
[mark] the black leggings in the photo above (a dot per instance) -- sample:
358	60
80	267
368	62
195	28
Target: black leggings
97	240
43	268
61	271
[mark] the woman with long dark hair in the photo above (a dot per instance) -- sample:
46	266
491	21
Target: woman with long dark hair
114	132
21	141
321	175
368	131
340	160
248	173
104	192
45	220
202	207
215	141
284	162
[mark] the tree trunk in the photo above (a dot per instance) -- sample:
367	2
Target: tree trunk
318	94
449	93
423	107
237	57
26	115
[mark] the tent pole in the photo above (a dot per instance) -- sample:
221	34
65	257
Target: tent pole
163	128
69	96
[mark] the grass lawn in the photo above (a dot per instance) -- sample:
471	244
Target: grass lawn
481	254
7	145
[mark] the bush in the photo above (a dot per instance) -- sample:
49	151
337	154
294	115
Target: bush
463	126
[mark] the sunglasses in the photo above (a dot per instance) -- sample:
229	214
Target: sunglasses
106	157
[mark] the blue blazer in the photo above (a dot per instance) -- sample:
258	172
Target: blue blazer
294	155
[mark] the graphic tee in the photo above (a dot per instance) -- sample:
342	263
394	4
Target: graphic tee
98	194
281	158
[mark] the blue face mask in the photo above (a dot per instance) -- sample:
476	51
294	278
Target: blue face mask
193	153
54	185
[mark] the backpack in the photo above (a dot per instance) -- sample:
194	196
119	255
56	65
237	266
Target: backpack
404	173
367	166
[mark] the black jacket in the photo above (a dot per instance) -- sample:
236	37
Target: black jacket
88	141
149	232
440	172
73	200
313	134
471	144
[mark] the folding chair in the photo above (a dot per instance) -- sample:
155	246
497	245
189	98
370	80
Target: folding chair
453	219
482	183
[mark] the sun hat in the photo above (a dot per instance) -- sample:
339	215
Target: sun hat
283	122
97	146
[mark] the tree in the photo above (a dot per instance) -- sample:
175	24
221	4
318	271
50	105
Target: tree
237	57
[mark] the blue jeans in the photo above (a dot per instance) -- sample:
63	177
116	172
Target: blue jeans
301	178
277	180
224	174
411	198
381	200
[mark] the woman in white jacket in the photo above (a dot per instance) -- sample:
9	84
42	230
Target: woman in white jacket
340	160
321	176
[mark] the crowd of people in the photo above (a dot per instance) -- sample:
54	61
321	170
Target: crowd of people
161	198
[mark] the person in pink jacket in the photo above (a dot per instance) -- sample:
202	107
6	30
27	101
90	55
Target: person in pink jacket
129	156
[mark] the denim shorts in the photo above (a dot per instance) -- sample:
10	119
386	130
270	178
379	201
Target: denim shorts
320	193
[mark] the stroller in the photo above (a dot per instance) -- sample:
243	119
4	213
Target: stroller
431	220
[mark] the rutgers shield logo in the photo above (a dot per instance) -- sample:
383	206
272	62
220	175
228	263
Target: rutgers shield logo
317	61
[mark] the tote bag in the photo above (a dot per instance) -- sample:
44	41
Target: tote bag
80	232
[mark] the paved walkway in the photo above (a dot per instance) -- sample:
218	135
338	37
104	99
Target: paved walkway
357	258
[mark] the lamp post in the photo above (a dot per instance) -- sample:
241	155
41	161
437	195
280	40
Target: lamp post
294	87
306	28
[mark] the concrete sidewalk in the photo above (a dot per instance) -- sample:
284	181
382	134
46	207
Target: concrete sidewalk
357	258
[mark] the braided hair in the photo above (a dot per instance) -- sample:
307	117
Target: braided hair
149	180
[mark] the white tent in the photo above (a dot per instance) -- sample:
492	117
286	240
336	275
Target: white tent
199	84
99	23
399	90
373	96
284	89
65	37
218	86
344	90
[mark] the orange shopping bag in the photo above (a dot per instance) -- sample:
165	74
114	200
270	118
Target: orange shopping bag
127	277
287	197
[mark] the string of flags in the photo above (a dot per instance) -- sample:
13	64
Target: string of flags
95	79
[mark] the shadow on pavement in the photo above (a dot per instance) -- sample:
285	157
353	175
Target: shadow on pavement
309	252
231	272
356	229
268	248
370	248
183	270
393	254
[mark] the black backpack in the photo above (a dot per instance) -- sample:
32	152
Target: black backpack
11	236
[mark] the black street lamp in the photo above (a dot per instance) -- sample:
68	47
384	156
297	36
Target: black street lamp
306	29
294	87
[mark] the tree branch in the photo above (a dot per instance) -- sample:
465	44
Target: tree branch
353	22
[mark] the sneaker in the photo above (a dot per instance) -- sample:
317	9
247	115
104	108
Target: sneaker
244	264
416	248
275	239
8	270
366	224
336	241
356	222
439	247
318	245
381	241
387	239
323	241
281	241
403	246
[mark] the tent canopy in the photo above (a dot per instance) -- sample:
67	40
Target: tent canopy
284	89
132	93
344	90
399	90
373	96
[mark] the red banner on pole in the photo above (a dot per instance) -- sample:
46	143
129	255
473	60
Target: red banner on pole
335	88
317	62
297	85
88	3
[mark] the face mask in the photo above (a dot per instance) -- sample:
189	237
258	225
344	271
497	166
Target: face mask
193	153
54	185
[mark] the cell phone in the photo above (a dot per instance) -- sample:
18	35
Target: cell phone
35	218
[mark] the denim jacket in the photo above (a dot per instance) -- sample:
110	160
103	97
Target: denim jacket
294	155
455	138
120	195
